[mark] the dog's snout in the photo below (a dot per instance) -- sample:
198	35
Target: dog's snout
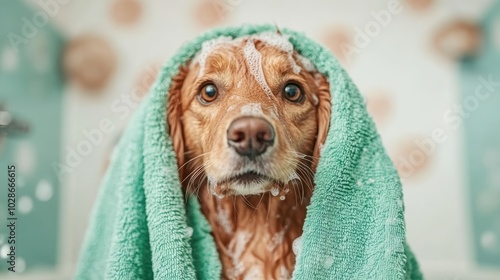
250	136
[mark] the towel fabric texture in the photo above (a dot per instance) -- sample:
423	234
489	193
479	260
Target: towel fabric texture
142	228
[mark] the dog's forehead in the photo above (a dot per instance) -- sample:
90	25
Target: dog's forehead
224	52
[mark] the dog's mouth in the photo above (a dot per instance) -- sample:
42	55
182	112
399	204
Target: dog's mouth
246	183
248	178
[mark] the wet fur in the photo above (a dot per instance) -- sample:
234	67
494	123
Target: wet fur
198	138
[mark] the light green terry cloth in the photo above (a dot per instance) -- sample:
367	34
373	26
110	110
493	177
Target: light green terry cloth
354	227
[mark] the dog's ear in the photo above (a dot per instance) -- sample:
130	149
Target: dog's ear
323	115
174	114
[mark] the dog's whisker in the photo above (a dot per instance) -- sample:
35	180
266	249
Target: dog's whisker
305	177
308	173
261	197
196	157
199	170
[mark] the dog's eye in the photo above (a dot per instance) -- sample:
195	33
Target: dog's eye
208	93
293	92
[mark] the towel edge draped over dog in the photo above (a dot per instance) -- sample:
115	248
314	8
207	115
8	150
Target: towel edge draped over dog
354	228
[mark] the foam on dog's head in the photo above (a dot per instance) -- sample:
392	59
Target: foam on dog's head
254	62
308	65
207	48
253	57
282	43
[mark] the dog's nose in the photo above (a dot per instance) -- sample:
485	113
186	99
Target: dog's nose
250	136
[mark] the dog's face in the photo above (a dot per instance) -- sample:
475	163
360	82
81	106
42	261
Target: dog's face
247	113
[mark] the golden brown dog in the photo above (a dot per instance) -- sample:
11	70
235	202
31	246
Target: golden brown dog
247	118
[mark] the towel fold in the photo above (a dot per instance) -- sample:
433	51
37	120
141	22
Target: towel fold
354	229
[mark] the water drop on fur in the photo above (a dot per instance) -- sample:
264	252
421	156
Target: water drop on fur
297	245
275	191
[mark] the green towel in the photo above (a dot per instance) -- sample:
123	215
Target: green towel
354	229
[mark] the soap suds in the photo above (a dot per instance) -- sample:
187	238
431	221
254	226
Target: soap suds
254	62
207	48
277	239
275	191
254	274
235	251
253	57
251	109
284	274
308	65
223	219
315	99
297	245
294	175
280	42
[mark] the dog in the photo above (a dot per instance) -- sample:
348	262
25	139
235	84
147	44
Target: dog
247	118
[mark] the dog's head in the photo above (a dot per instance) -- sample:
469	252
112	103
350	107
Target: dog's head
248	115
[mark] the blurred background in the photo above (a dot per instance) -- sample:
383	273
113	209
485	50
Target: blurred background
72	72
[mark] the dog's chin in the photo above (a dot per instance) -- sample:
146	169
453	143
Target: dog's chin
251	188
245	184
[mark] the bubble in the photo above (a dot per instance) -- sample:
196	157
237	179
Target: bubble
254	61
44	190
275	191
189	231
282	197
20	265
25	157
25	204
327	262
4	250
488	240
5	118
9	59
297	245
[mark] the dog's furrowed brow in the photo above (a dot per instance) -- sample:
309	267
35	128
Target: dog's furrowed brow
222	62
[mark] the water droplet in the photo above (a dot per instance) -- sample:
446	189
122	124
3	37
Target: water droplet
44	190
297	245
9	59
25	157
488	240
275	191
25	204
4	250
